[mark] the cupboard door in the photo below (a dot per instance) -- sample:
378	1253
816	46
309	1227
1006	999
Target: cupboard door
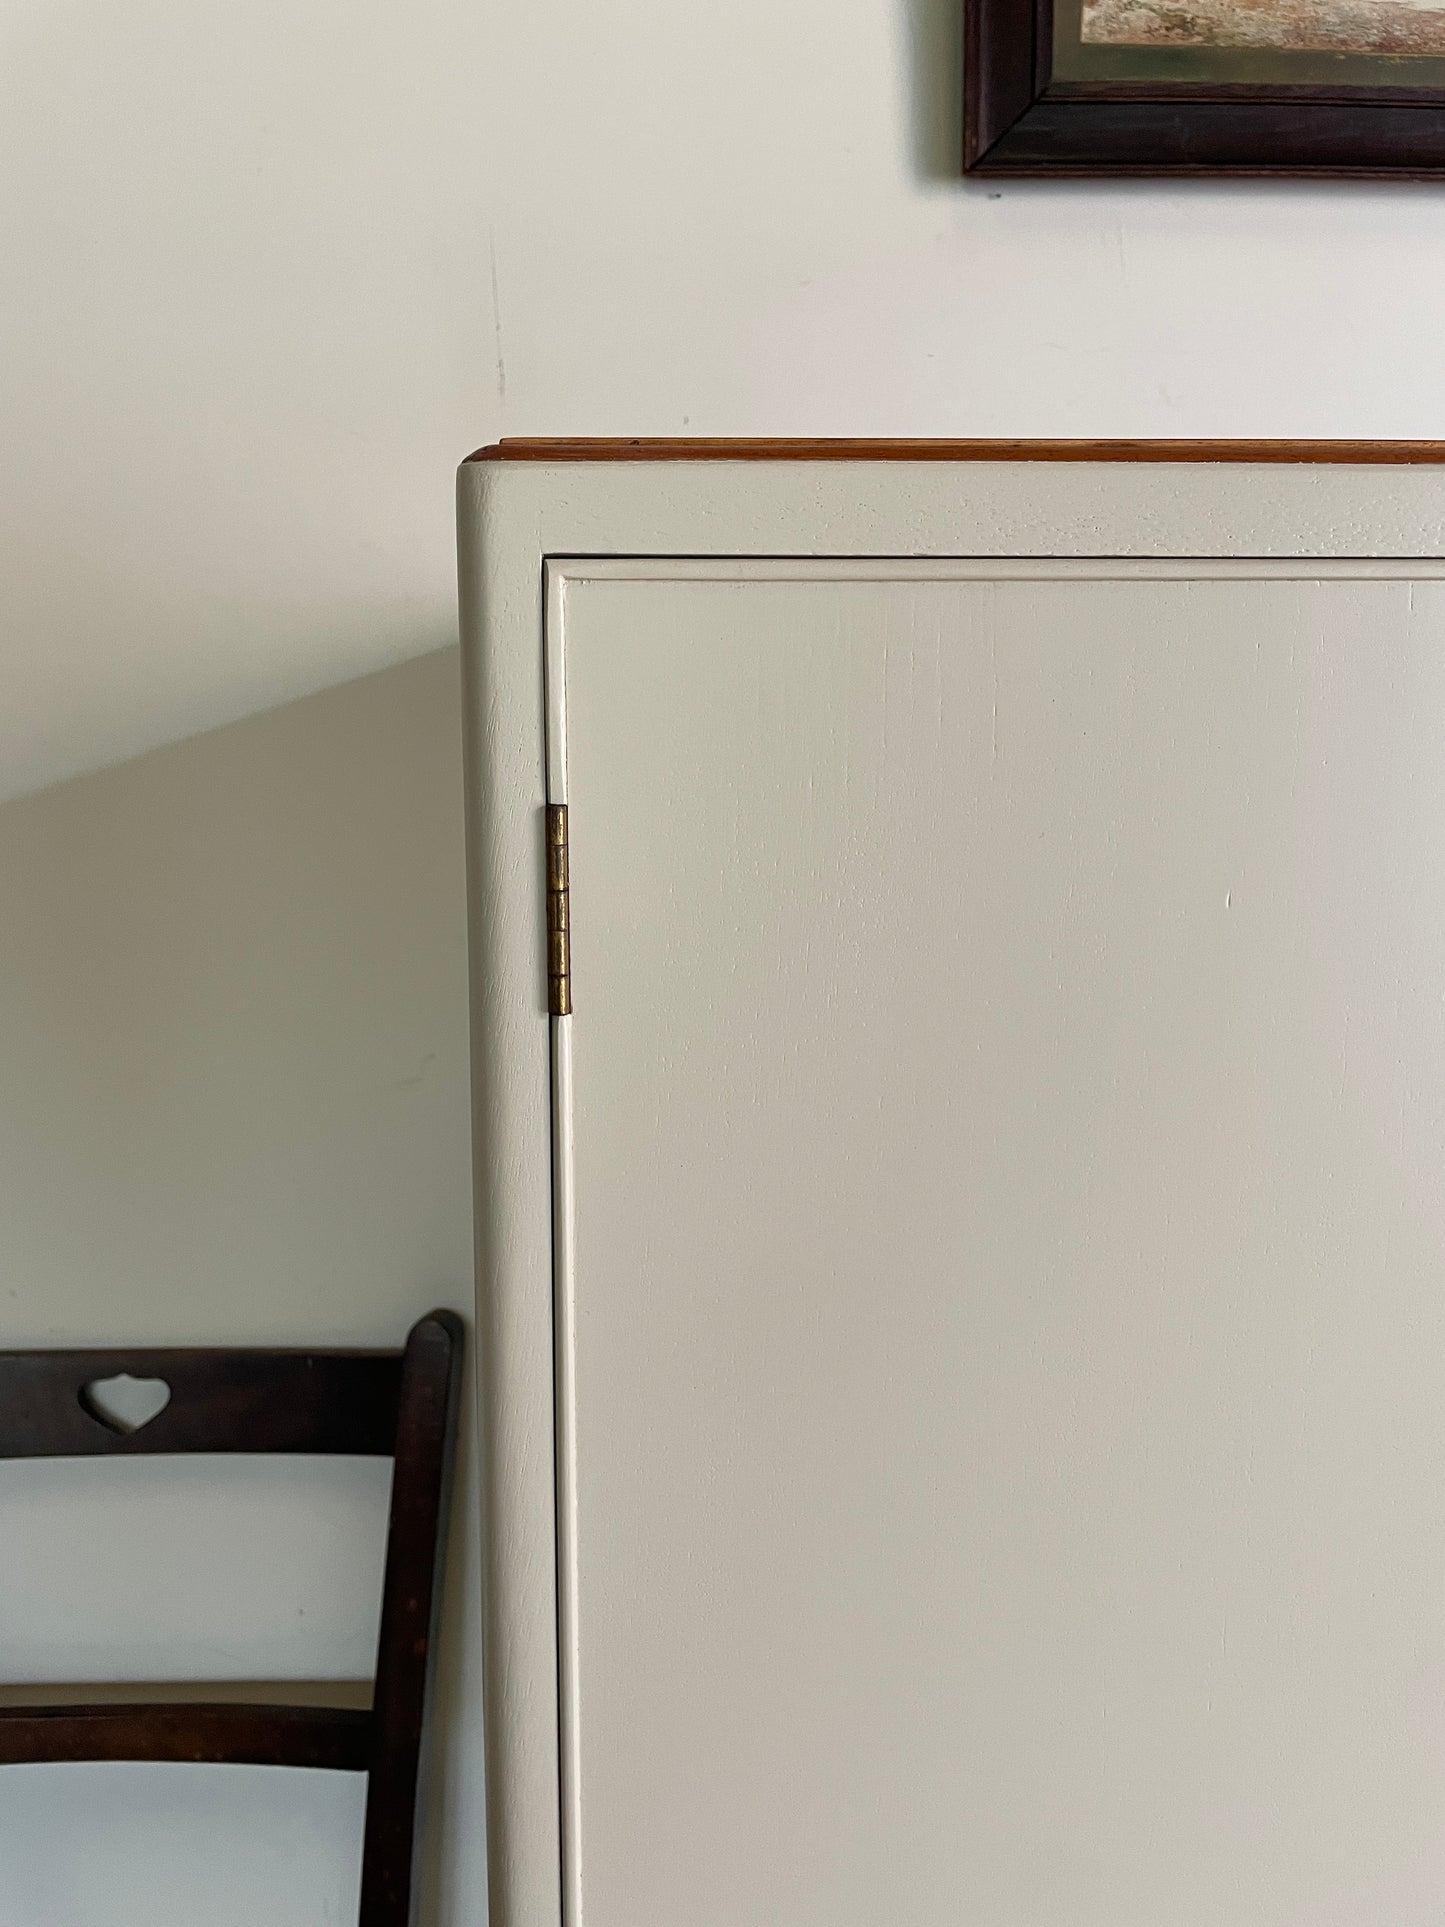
1001	1178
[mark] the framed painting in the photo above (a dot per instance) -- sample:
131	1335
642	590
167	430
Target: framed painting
1352	88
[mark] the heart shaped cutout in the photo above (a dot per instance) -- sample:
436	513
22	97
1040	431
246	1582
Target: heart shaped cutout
123	1403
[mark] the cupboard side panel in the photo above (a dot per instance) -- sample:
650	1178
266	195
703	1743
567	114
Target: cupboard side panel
502	643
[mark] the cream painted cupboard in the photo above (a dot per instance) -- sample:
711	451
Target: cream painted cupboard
962	1293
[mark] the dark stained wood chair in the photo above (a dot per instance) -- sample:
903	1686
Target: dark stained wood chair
400	1405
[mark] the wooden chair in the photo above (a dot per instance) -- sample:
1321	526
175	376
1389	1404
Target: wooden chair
400	1405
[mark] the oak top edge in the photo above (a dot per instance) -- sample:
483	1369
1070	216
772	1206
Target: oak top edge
845	449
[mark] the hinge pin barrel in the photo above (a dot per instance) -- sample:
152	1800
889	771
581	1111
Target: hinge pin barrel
559	932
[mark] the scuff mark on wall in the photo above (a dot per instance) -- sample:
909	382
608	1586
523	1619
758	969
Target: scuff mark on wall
497	316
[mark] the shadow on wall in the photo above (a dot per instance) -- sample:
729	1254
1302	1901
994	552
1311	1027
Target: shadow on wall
234	1108
186	645
934	30
233	1026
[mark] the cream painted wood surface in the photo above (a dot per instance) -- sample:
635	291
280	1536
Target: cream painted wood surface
1139	1131
1003	1328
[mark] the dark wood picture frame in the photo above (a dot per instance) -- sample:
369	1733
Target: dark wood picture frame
1020	120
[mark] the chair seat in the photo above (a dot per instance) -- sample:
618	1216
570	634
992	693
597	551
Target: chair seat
331	1737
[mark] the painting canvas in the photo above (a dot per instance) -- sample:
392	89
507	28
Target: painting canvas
1395	28
1361	44
1349	88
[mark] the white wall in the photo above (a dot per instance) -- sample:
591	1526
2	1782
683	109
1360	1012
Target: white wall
272	269
233	1107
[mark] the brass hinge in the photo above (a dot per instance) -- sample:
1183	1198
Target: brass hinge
559	928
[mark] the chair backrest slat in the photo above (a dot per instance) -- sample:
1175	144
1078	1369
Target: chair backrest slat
336	1739
220	1401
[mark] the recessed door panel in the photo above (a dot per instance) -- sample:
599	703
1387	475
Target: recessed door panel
1001	1297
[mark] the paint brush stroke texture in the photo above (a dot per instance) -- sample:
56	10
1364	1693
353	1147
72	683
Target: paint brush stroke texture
1389	27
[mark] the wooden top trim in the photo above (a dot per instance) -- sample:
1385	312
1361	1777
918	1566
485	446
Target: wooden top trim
649	449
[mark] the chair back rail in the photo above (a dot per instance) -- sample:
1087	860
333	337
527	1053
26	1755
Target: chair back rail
220	1401
334	1737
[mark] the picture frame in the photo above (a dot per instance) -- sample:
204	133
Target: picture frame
1048	94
